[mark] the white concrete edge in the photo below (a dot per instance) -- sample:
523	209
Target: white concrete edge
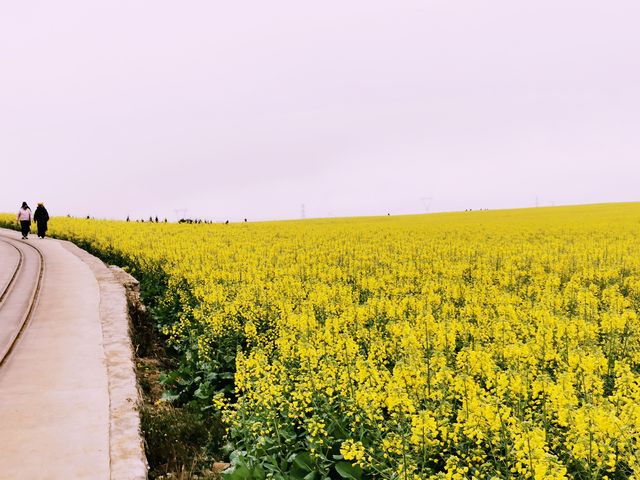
126	446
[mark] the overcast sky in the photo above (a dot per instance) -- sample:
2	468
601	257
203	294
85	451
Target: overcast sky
351	107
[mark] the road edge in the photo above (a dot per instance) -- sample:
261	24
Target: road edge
126	445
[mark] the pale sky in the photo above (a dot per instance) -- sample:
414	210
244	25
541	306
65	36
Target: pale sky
351	107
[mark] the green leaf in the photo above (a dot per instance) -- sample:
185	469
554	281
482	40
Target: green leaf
288	435
169	397
201	393
183	382
348	471
303	466
258	473
236	455
303	461
239	472
296	474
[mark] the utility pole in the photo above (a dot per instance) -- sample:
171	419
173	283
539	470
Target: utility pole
303	214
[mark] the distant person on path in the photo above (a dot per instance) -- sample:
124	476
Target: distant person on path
41	217
24	219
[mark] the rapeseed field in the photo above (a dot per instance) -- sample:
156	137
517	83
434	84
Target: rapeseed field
488	344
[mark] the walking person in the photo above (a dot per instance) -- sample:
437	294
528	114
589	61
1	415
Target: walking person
24	219
41	217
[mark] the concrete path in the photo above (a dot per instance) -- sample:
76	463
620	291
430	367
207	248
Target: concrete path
9	259
55	412
19	291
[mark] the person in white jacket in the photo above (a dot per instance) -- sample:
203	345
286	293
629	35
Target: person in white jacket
24	219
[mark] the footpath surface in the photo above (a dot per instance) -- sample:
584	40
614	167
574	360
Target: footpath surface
61	398
9	259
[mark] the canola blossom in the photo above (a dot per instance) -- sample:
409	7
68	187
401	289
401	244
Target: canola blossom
490	344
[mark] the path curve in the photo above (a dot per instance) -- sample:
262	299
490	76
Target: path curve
10	260
67	387
22	265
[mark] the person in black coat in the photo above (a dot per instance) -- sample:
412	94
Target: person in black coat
41	217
